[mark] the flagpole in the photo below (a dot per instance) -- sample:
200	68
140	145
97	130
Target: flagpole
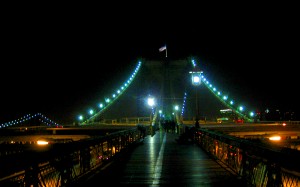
166	51
164	48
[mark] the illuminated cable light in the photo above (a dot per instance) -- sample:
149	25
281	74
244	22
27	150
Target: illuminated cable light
184	102
124	86
194	63
80	117
219	94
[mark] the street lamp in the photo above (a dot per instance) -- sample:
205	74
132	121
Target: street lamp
151	103
196	76
196	81
176	108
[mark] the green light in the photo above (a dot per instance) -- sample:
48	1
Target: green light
176	107
241	108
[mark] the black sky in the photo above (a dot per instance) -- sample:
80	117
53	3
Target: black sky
55	59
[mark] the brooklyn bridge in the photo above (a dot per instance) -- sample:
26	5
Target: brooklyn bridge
166	124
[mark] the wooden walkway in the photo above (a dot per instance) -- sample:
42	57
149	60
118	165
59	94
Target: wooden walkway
161	161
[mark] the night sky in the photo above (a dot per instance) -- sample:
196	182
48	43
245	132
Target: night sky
55	60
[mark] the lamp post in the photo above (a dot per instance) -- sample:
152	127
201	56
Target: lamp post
151	103
160	118
176	108
196	81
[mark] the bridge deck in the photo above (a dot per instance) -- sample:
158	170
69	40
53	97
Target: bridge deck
161	161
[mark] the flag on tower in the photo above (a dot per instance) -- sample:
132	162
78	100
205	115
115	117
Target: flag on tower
162	48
